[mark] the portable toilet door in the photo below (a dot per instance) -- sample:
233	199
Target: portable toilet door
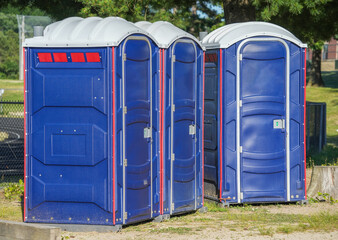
84	119
259	71
181	117
137	80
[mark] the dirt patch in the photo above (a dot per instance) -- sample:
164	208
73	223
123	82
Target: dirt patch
307	209
268	221
285	221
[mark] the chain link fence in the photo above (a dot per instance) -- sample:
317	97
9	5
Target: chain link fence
11	141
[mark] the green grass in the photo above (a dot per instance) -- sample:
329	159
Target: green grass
172	230
329	95
10	213
214	207
13	90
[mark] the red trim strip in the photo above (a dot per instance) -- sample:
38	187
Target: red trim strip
203	128
220	124
25	140
305	123
60	57
160	127
162	130
113	79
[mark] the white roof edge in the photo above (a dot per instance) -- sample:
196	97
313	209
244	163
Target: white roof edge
227	35
88	32
166	33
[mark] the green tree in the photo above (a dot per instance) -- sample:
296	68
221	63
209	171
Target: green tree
313	21
238	11
190	15
57	9
9	38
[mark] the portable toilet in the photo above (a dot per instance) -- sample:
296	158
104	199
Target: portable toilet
254	114
181	108
91	117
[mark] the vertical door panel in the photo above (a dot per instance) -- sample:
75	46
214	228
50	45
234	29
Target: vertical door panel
183	123
263	95
137	118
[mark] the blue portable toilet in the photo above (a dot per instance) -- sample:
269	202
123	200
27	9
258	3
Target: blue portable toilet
254	114
181	107
91	117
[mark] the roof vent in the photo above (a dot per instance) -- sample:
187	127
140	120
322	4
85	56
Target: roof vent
202	35
38	31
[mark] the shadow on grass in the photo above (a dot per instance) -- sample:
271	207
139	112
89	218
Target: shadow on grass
330	79
327	157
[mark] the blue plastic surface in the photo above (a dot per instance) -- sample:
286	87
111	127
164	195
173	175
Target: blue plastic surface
263	95
70	136
141	95
186	184
69	166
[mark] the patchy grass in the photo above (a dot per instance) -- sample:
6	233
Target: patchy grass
10	210
214	207
328	94
173	230
3	136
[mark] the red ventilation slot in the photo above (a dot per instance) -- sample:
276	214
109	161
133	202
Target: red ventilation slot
45	57
60	57
93	57
77	57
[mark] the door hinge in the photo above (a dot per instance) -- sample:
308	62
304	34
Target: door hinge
173	107
192	129
125	162
124	57
240	149
172	206
241	195
174	58
125	215
173	157
240	103
240	57
147	133
125	110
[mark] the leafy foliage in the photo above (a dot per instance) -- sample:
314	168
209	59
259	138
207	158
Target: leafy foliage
9	37
191	15
14	191
323	197
313	21
9	47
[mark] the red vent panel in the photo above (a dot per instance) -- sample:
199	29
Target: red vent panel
77	57
93	57
60	57
45	57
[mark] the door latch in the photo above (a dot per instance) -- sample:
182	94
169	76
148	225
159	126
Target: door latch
192	129
147	133
278	123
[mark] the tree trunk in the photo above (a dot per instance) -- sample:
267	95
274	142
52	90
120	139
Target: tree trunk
238	11
324	180
316	69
